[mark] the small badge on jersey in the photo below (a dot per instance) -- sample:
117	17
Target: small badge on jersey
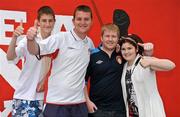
99	62
119	59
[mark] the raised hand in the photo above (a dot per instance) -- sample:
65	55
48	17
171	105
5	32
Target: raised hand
19	30
32	31
147	46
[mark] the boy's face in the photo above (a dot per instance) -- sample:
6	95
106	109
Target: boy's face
46	23
82	22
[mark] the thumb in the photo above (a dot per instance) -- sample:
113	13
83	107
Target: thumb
36	23
141	44
21	23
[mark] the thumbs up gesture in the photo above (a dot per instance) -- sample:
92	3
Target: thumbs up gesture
147	46
32	31
19	30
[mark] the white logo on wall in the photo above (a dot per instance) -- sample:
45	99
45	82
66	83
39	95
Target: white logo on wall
11	72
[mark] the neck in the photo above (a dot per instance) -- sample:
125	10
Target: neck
80	35
107	51
45	35
130	63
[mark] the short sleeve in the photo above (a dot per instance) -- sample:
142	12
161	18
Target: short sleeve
20	50
51	44
90	44
88	73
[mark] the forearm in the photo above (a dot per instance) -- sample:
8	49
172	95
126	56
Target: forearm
33	47
11	54
45	67
86	93
162	64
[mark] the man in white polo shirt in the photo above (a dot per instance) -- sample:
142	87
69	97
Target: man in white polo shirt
65	96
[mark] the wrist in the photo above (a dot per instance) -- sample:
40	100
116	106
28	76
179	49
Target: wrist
30	39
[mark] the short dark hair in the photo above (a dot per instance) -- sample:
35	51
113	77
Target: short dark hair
45	10
83	8
134	40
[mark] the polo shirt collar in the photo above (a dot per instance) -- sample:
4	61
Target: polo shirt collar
113	53
75	36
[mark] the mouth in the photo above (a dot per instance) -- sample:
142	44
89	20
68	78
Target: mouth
83	26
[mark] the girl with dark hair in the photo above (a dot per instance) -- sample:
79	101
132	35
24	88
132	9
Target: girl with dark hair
138	81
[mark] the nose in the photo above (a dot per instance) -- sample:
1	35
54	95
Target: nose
125	51
110	38
47	23
83	21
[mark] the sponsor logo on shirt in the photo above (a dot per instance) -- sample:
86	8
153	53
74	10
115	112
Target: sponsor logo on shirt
99	62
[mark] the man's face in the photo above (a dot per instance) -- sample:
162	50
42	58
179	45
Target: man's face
46	23
82	22
109	40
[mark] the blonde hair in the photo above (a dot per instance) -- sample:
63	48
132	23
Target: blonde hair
110	27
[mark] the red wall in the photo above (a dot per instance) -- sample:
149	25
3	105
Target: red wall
156	21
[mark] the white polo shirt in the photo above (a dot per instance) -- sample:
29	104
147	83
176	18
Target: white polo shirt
30	74
66	82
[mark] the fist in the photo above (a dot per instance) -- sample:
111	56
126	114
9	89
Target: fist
19	30
32	31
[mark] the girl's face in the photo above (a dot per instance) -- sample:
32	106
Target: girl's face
129	52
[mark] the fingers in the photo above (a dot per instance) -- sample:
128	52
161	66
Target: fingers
148	46
141	44
117	48
95	107
36	23
21	23
32	32
40	87
19	30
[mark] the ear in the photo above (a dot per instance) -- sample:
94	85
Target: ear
101	38
73	20
91	22
38	22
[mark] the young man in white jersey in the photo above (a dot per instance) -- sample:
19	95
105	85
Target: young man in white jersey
65	96
27	100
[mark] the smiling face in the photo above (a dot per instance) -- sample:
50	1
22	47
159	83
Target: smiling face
46	23
109	40
82	22
129	52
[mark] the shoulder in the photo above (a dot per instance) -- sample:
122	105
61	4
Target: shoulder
94	51
89	39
